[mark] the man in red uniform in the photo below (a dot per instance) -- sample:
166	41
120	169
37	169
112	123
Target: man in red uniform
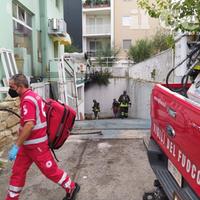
32	143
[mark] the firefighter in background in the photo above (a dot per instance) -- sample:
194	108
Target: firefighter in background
115	107
31	145
124	102
96	109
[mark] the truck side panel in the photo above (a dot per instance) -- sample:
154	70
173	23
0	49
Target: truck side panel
176	129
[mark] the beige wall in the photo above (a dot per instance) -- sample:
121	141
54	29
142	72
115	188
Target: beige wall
138	24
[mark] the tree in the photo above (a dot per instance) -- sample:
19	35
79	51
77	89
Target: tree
174	14
71	49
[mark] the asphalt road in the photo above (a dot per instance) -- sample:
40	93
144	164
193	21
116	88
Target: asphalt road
112	165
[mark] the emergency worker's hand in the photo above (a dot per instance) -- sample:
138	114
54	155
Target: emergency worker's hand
13	152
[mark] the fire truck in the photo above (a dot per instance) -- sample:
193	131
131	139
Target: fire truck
174	145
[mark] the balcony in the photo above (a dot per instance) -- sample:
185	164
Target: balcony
103	29
96	3
57	27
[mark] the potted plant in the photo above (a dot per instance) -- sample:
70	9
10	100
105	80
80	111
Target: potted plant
87	3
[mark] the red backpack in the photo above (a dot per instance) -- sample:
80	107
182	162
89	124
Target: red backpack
60	121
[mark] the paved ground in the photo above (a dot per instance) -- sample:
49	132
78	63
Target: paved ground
109	166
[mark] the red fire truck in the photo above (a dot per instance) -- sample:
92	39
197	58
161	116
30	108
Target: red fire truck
174	146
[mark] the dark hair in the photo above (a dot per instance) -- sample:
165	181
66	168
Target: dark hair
20	80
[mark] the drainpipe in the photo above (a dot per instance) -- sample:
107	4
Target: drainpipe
44	35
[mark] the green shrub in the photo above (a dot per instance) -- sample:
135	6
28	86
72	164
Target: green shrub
88	2
145	48
71	49
162	41
98	77
106	56
101	77
1	164
141	50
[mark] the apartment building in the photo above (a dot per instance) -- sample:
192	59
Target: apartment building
34	31
114	24
97	25
130	24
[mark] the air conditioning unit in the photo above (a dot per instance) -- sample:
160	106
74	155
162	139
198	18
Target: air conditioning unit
57	27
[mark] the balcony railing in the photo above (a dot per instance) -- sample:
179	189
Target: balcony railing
96	3
98	29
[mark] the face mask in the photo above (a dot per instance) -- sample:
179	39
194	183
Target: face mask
13	93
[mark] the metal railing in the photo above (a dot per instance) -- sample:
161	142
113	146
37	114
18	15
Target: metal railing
98	29
62	76
96	3
110	61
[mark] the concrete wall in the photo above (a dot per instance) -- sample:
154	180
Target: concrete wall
153	69
139	92
138	80
104	95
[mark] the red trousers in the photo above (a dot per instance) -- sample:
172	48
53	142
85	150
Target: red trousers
42	157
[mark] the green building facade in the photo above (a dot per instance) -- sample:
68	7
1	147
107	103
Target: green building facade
29	28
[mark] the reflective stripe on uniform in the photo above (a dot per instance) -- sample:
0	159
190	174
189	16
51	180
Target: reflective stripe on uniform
64	176
123	105
14	188
12	194
38	120
36	141
68	184
39	126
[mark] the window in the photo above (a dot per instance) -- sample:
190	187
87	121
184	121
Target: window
22	34
96	24
29	19
15	10
21	14
94	46
126	44
126	21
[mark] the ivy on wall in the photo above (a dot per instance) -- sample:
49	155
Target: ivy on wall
98	77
